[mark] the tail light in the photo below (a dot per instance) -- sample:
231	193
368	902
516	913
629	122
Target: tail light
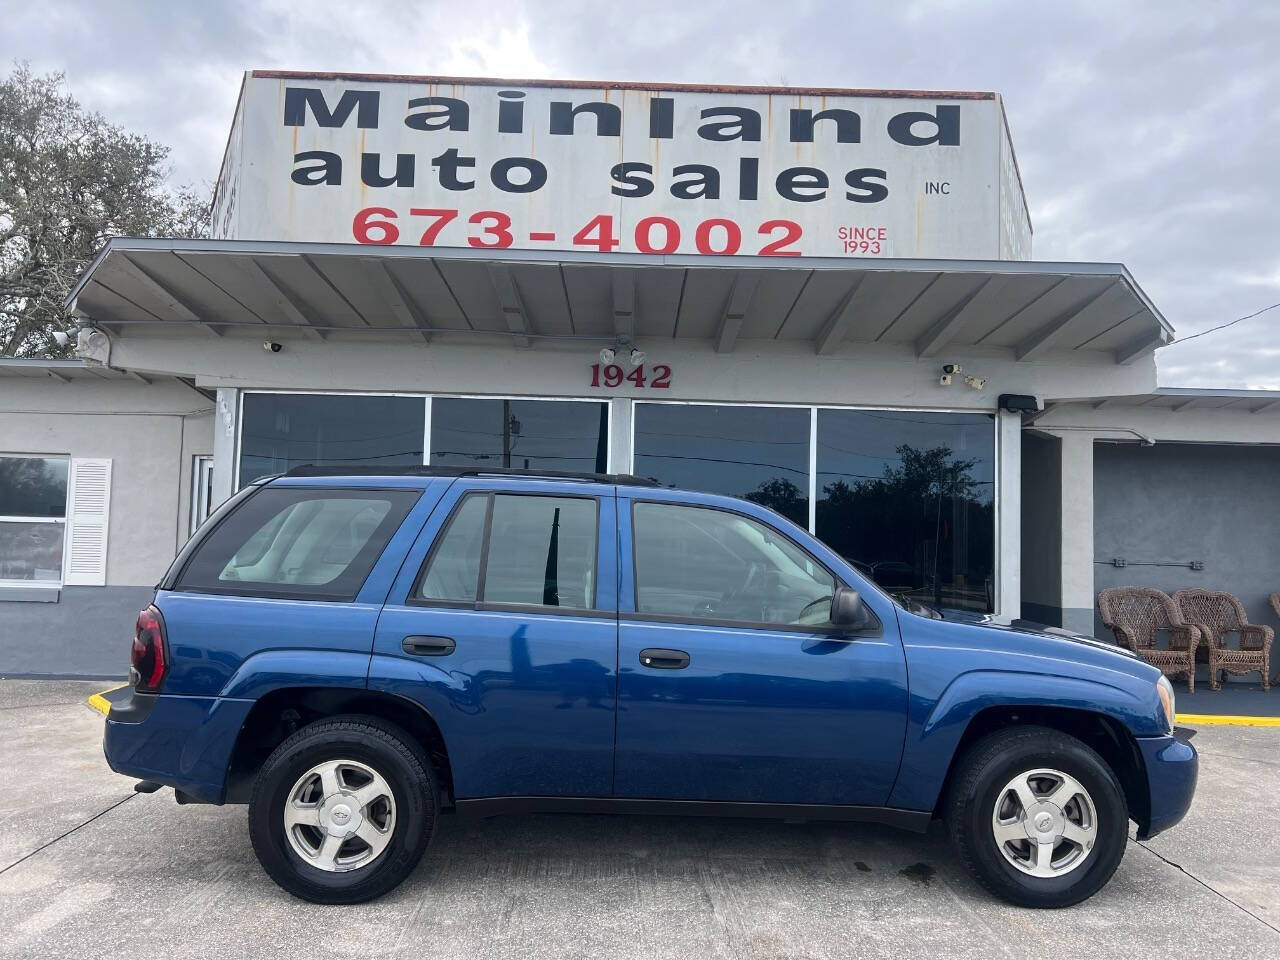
149	657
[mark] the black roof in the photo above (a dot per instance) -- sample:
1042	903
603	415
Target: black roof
311	470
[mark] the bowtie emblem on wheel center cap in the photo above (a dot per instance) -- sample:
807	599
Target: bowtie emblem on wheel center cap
340	815
1044	821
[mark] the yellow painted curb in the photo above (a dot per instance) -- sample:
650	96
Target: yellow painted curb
1222	720
101	703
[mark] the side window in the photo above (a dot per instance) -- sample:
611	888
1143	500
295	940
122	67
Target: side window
541	552
701	563
453	569
298	542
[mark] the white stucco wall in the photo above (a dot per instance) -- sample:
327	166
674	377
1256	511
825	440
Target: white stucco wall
757	371
149	431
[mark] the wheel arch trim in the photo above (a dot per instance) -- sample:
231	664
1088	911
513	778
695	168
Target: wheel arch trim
932	742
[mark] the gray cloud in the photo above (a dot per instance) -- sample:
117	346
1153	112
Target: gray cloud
1146	132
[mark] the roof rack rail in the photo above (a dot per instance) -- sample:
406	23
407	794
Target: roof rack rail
311	470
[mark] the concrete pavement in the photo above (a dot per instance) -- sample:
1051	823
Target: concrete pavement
89	869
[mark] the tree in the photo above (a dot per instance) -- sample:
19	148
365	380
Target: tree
784	497
68	181
910	519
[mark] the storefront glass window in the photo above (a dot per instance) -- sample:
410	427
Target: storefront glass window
757	453
285	430
908	498
33	511
527	434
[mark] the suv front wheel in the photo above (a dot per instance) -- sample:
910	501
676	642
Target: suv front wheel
1037	817
343	809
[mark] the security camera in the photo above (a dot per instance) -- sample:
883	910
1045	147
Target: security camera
271	346
637	357
951	369
976	382
607	355
944	380
61	337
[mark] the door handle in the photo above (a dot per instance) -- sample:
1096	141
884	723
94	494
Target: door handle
660	658
429	646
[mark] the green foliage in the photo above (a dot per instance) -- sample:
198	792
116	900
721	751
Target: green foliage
68	181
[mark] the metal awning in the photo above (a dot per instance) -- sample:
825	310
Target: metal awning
224	287
64	371
1177	399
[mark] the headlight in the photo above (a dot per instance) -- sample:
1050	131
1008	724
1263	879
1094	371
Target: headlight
1165	689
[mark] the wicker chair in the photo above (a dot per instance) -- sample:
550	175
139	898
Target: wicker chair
1217	614
1134	614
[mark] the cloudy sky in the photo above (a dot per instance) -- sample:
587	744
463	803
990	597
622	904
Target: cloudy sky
1147	133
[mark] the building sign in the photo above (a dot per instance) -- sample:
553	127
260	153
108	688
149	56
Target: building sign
621	168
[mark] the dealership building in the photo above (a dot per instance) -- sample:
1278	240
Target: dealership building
821	300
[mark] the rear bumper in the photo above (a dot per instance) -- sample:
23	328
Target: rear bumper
182	742
1172	768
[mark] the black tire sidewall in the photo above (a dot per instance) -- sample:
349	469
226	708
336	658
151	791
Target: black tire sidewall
412	787
973	824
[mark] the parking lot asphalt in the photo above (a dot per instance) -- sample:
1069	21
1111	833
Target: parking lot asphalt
88	868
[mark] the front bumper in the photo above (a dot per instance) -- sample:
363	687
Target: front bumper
183	742
1172	768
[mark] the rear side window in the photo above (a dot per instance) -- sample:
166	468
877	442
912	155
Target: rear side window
298	543
540	552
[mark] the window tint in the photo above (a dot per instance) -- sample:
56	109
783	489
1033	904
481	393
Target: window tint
453	572
286	430
33	486
757	453
710	564
531	434
294	542
907	497
542	553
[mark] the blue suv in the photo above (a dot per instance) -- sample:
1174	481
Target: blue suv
354	654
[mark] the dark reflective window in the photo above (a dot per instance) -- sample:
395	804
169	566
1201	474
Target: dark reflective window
529	434
33	486
758	453
908	497
285	430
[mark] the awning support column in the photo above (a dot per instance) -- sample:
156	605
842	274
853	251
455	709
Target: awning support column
1077	531
1008	599
620	411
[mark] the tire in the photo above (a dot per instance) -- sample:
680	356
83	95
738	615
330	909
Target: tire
351	753
982	801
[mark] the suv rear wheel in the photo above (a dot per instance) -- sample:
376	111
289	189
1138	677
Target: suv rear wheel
1037	817
342	811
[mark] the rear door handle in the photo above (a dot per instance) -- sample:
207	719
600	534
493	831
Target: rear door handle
660	658
429	646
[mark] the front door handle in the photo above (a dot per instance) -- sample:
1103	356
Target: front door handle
660	658
429	646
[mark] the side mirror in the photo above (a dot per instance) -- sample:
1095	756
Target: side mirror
847	609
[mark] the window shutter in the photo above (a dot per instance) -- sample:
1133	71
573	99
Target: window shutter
88	503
